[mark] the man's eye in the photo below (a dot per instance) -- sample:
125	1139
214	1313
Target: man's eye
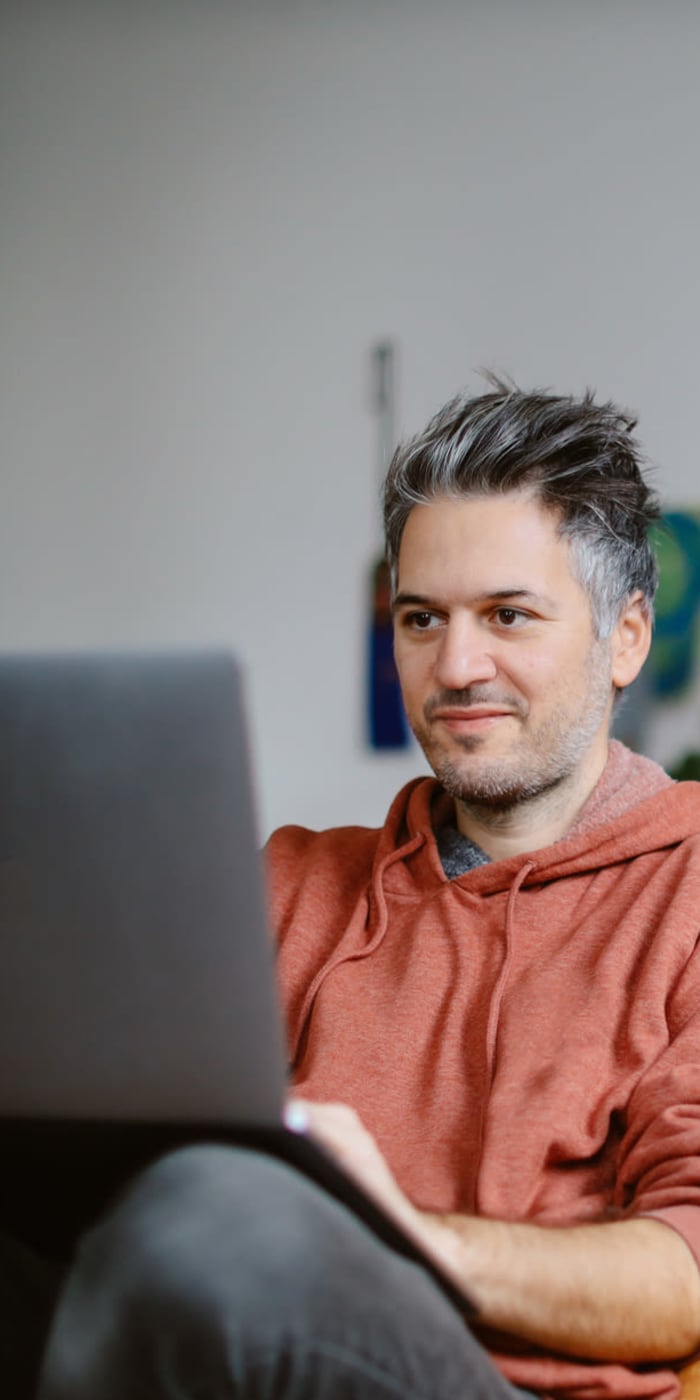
420	621
510	617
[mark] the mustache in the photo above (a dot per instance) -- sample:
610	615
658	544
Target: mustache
472	695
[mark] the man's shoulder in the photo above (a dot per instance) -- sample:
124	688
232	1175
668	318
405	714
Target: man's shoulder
345	854
291	848
314	874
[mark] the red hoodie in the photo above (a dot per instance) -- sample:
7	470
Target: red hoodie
523	1041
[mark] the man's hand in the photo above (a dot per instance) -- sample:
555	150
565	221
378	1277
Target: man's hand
625	1291
339	1129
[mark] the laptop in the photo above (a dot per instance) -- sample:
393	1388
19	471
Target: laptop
138	1003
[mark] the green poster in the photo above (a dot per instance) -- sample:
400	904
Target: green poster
674	649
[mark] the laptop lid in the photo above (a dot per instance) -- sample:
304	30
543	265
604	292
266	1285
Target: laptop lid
136	962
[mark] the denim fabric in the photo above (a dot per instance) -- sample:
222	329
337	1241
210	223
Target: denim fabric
225	1273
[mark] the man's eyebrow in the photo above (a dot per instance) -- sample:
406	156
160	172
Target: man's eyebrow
415	600
495	595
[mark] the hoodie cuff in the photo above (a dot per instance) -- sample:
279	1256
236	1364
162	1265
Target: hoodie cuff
685	1220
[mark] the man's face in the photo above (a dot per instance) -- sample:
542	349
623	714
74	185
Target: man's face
505	686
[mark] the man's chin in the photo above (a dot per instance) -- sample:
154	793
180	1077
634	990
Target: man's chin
491	786
486	797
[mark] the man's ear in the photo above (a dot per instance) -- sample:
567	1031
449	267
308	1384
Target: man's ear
630	641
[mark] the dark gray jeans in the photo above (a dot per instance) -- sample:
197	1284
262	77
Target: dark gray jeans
224	1273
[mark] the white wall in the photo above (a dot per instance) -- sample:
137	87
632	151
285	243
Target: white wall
210	211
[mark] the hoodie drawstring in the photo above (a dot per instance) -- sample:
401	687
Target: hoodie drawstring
497	996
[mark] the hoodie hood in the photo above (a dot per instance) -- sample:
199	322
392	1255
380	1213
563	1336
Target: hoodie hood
635	808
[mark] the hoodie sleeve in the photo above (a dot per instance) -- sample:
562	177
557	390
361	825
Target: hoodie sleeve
659	1166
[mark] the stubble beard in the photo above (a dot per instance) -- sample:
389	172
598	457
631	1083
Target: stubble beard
550	757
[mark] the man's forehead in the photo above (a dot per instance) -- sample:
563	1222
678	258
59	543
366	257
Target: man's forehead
514	513
505	545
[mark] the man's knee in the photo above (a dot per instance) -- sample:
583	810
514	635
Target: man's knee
200	1247
210	1233
201	1219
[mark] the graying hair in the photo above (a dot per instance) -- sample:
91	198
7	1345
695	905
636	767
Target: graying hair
578	457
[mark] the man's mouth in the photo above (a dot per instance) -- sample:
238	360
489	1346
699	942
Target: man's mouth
465	720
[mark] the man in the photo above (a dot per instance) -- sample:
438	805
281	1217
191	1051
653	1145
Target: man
493	1002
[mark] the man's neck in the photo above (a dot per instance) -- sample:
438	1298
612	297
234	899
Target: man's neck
535	822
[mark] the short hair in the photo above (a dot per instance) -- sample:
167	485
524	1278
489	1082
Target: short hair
578	457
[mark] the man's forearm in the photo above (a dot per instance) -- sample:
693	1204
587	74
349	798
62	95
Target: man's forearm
624	1291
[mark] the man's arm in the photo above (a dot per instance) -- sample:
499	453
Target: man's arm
624	1291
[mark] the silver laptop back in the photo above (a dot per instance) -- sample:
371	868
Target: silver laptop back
136	978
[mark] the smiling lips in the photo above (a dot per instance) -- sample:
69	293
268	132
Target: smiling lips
478	715
467	711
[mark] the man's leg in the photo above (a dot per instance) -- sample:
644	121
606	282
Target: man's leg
29	1288
223	1272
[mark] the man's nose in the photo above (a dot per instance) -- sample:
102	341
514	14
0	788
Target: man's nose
464	657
